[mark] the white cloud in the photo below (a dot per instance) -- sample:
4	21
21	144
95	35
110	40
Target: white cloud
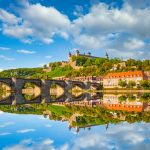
122	29
37	22
48	56
23	51
138	3
22	32
1	71
25	130
6	124
6	58
103	27
8	17
4	48
78	10
134	44
41	65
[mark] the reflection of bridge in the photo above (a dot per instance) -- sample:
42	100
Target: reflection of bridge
16	85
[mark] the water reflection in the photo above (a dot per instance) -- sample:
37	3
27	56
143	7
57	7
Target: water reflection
88	121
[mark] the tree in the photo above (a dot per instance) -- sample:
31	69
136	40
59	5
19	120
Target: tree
131	83
145	97
131	98
122	83
145	84
122	98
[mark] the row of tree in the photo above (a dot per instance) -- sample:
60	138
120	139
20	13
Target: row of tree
145	84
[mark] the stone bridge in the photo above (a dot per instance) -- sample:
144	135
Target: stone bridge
17	84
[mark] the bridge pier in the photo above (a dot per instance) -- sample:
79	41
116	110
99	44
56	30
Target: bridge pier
45	91
17	85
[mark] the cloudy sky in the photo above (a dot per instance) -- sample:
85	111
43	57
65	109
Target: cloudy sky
35	32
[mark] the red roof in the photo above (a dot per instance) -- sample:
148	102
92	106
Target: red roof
136	108
125	74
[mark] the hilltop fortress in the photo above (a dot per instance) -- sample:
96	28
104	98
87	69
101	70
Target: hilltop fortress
72	60
74	63
88	55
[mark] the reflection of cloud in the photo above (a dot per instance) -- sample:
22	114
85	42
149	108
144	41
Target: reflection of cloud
48	125
64	147
5	133
1	112
133	138
6	124
47	142
119	137
125	136
28	144
25	130
4	48
73	132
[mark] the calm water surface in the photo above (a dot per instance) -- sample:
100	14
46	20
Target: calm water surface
36	132
47	127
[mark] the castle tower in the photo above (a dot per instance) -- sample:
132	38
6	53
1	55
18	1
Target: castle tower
107	55
89	54
77	52
69	56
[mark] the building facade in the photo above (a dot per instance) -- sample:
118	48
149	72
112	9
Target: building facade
111	80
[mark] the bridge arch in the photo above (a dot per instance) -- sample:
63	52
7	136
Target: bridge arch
6	81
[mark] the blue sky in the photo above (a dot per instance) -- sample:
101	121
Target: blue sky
35	32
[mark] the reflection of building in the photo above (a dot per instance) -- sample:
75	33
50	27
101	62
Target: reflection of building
111	80
111	101
147	73
80	103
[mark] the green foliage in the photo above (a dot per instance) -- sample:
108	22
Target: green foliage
131	98
145	84
91	67
29	85
2	91
122	98
29	97
122	83
145	97
20	72
131	84
60	71
55	65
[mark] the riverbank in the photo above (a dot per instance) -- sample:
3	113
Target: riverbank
114	91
